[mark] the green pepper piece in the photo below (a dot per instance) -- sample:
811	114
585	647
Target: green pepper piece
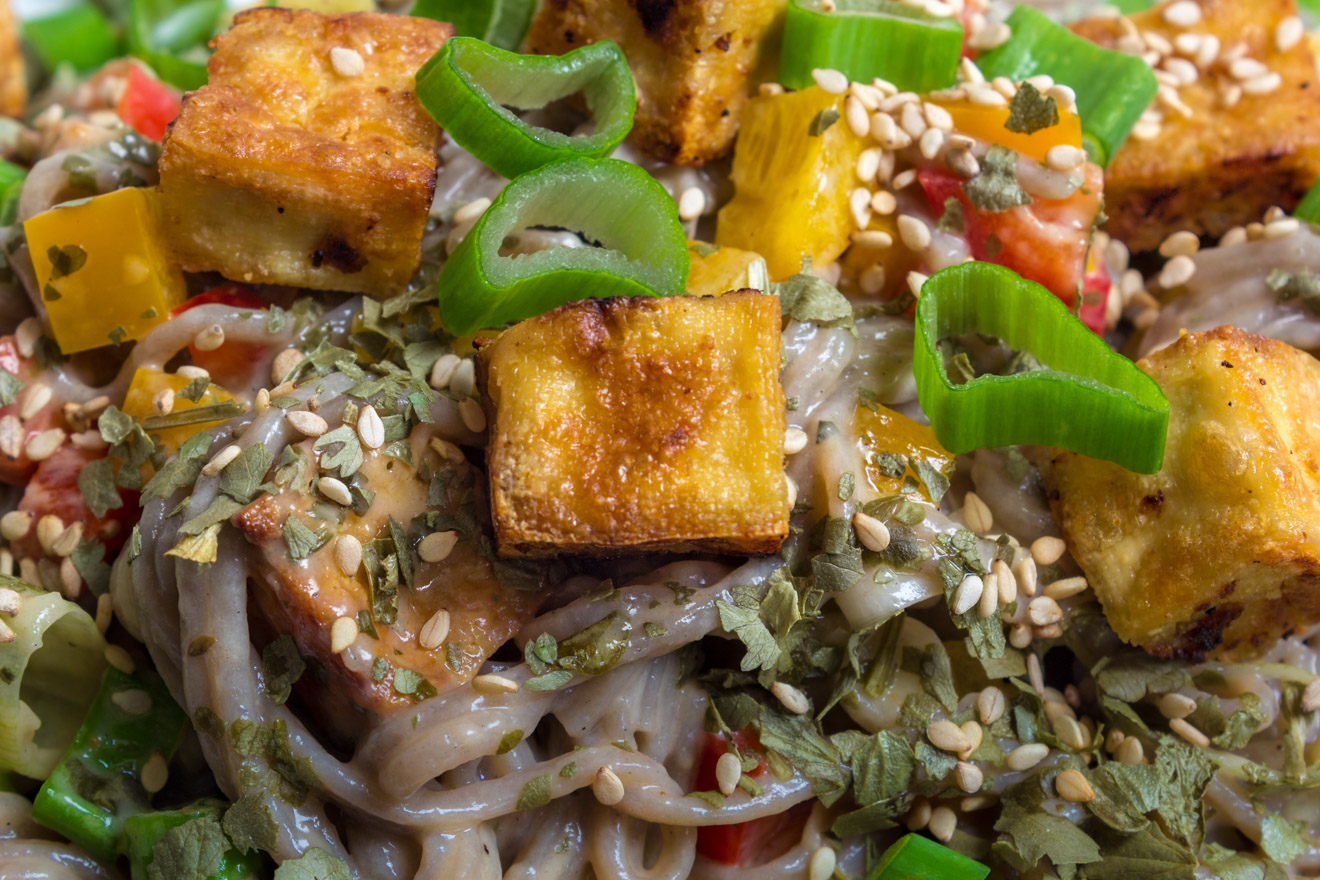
643	252
11	185
142	833
501	23
1090	399
80	35
1113	89
469	86
864	39
919	858
97	785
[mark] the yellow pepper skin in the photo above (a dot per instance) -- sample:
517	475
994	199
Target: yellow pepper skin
792	186
102	270
885	430
148	383
987	124
715	270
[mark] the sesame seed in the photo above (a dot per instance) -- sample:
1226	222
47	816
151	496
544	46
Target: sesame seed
607	786
904	179
1177	272
434	631
728	771
134	701
1065	587
1262	85
221	460
1034	674
984	95
947	736
968	594
974	733
209	339
1047	550
1113	739
855	112
446	450
1027	756
770	89
472	414
1288	33
1043	611
443	370
976	514
309	424
15	524
1247	68
918	816
1189	733
26	336
884	203
868	96
871	532
493	685
912	120
68	540
872	279
6	634
873	238
885	130
822	863
471	211
859	203
1184	71
1183	13
691	202
1005	581
1064	96
989	603
915	281
49	527
1311	696
370	428
968	777
155	773
348	554
119	659
914	233
347	62
943	822
795	440
1176	705
35	398
868	164
437	546
1065	157
1130	751
343	632
938	117
1072	786
11	602
932	141
43	445
1181	243
1282	228
990	705
968	72
792	699
335	490
884	86
830	81
1146	130
962	162
792	488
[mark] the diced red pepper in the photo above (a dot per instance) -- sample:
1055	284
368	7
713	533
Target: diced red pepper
231	364
17	471
1045	241
53	489
148	105
746	844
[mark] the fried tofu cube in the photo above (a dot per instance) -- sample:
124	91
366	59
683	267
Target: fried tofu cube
13	80
1219	552
641	423
294	167
1223	163
692	61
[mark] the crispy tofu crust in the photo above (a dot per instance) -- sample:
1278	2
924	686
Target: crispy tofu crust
13	80
1219	552
638	424
1224	166
283	171
691	60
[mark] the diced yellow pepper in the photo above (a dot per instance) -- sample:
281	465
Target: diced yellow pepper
102	270
714	270
884	431
148	383
987	124
792	187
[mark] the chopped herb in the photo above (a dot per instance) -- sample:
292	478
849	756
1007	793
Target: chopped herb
654	630
281	667
509	741
66	260
10	385
808	299
890	464
96	482
995	188
847	482
1303	285
315	864
952	220
1030	111
821	122
682	595
380	667
825	430
301	540
191	851
567	771
536	793
454	655
792	404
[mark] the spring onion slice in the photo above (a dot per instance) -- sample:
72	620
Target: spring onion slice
52	669
865	39
97	785
80	35
501	23
1089	400
1308	208
919	858
171	36
1113	89
11	185
468	88
643	248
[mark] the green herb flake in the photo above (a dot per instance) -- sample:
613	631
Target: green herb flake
653	629
1303	285
1030	111
96	482
454	656
847	482
996	188
567	771
191	851
952	220
509	741
742	618
250	825
281	667
315	864
66	260
301	540
10	385
536	793
808	299
821	122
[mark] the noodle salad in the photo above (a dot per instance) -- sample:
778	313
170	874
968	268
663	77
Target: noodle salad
634	440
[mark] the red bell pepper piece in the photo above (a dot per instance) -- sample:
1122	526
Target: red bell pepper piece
148	105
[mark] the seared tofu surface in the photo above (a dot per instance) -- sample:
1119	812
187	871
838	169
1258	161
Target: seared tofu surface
1240	143
691	61
638	424
13	80
1219	552
307	159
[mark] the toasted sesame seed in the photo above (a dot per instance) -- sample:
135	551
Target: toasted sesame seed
792	699
976	514
49	528
918	816
871	532
931	142
1288	33
471	211
348	554
871	281
607	786
335	490
68	540
1177	272
309	424
873	238
1047	549
1026	756
1311	696
1247	68
1065	157
914	233
1282	228
947	736
691	202
1055	707
119	659
1048	631
15	524
472	414
1071	733
492	685
1181	243
1130	751
6	634
1176	705
1113	739
437	546
989	602
155	773
221	460
446	450
968	594
904	179
209	339
795	440
990	705
434	631
26	336
1034	674
1262	85
884	203
791	486
1005	581
855	112
134	701
915	281
343	632
859	203
974	733
829	80
347	62
43	445
370	428
968	776
35	398
728	770
1189	733
10	602
1183	13
1072	786
1066	587
943	822
443	370
822	863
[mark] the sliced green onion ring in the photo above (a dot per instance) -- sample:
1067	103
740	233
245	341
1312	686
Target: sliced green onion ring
1113	89
80	35
468	88
918	858
865	39
643	252
171	36
1090	400
1308	208
11	185
501	23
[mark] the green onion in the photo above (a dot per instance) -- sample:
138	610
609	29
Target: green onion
643	248
142	833
919	858
1113	89
11	185
501	23
468	87
171	36
1308	208
98	783
868	38
80	35
1089	399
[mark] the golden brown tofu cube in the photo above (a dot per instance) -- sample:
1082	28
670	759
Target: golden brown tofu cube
1223	165
288	168
13	81
638	424
691	60
1219	552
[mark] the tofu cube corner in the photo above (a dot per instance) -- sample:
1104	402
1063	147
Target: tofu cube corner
307	159
638	424
1219	553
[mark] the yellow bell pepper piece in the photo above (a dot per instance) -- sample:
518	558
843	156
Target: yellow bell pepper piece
887	431
987	124
792	187
102	269
147	384
714	270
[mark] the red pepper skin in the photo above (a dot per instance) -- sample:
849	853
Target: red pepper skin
148	105
746	844
231	363
1045	241
53	489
